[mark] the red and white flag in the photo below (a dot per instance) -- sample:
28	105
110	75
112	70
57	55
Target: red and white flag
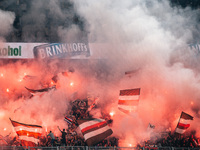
28	134
129	100
94	130
184	123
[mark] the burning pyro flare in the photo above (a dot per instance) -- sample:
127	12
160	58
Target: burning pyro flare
71	83
112	114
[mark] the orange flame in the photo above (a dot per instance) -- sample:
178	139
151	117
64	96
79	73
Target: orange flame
112	114
52	82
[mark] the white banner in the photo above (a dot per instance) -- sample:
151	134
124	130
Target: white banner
17	50
44	50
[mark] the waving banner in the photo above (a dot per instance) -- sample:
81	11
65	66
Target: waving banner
28	134
184	123
40	91
94	130
129	100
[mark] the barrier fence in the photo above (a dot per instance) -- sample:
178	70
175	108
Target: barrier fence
94	148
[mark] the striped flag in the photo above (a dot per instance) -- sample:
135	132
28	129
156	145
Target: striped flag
68	120
128	100
28	134
184	123
94	130
40	92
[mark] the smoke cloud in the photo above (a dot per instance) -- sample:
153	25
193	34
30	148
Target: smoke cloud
7	18
149	38
145	36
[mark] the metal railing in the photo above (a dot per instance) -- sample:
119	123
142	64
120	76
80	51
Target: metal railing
94	148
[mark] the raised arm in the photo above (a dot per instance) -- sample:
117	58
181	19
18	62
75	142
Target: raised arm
59	128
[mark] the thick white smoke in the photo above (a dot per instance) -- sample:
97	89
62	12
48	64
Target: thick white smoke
143	36
7	18
125	36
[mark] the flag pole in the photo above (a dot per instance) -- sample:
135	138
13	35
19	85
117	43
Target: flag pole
10	120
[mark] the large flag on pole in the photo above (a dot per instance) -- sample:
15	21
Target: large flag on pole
28	134
94	130
184	123
129	100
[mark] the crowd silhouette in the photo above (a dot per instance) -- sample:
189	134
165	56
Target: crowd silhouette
79	110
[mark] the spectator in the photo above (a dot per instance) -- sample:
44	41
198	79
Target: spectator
52	138
63	139
57	142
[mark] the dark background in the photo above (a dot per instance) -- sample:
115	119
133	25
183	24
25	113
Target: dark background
30	28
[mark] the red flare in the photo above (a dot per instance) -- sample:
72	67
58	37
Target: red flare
112	114
71	83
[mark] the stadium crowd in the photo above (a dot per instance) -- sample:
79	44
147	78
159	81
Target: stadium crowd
79	110
69	136
75	140
172	140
